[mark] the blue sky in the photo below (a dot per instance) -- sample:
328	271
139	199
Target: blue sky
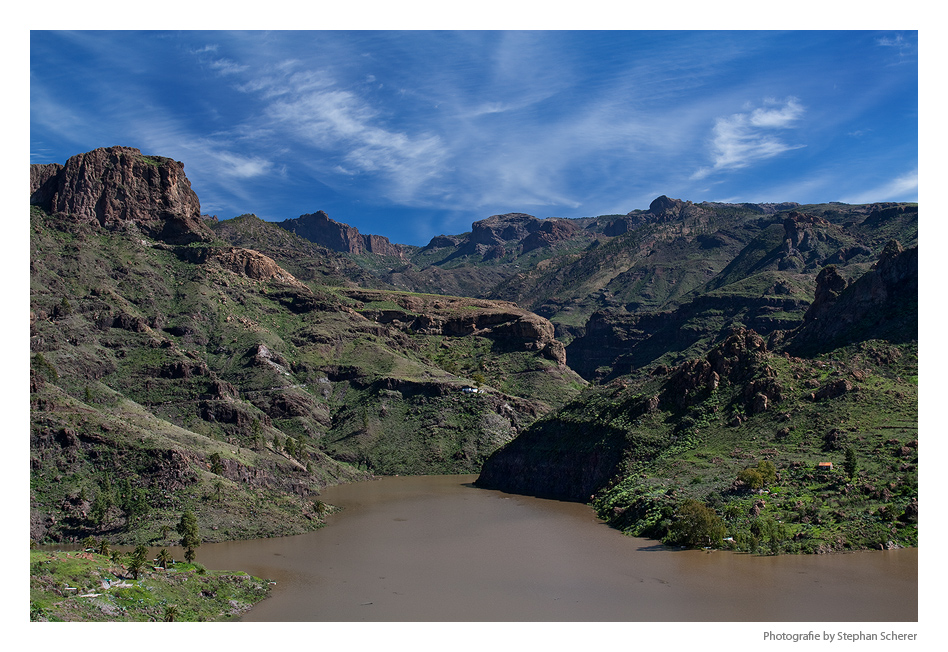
417	133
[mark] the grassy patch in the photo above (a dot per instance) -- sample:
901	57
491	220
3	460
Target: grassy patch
89	587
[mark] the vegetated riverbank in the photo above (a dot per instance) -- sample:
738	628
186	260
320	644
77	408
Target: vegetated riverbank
91	587
782	455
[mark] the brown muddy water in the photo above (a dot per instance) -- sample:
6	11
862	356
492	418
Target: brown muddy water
436	548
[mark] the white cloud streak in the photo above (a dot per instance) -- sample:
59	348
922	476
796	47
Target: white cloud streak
348	132
227	67
742	139
901	188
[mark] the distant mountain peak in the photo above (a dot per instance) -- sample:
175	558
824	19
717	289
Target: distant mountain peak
318	227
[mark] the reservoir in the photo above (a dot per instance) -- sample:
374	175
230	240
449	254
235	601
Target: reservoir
436	548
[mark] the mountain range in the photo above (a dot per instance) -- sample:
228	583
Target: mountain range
637	362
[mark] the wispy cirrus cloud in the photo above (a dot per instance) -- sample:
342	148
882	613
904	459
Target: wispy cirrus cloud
902	188
742	139
348	133
227	67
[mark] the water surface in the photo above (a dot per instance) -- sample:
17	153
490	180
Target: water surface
435	548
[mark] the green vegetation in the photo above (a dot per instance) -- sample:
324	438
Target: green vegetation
202	389
188	529
169	379
760	473
90	587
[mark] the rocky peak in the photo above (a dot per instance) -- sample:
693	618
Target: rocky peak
498	229
889	254
319	228
113	186
443	241
664	205
739	360
666	209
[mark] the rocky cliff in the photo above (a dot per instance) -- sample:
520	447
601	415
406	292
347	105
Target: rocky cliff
576	452
500	235
116	186
663	209
880	304
319	228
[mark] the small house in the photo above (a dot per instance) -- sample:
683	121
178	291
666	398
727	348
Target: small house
824	466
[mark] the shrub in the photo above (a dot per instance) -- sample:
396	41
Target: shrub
752	478
696	525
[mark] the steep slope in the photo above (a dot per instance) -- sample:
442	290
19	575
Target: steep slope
766	285
738	434
881	304
306	260
194	374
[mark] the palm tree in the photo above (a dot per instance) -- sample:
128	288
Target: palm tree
104	548
188	529
163	558
141	552
135	566
171	612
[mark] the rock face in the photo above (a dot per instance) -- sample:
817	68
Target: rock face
319	228
113	186
533	467
511	232
882	303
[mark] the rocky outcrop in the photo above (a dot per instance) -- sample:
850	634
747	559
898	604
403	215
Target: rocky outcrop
319	228
799	229
548	234
246	262
881	304
829	285
502	321
665	209
739	360
807	241
440	241
498	235
620	343
498	229
114	186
